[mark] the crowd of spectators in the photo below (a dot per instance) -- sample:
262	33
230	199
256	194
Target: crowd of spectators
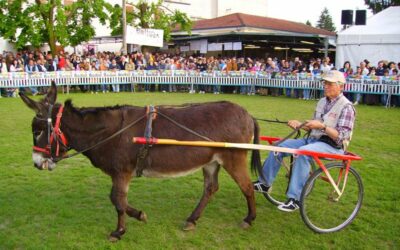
36	61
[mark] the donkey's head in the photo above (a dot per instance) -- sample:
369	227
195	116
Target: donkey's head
46	138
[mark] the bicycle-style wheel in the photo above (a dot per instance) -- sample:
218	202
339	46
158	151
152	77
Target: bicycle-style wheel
321	209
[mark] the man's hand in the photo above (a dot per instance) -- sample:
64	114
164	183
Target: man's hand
314	124
294	124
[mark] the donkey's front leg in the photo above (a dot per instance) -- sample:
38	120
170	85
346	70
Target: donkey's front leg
118	197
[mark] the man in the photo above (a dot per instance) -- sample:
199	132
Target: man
330	132
31	68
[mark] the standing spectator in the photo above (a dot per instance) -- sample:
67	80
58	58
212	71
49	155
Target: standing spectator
114	67
103	66
380	72
286	70
130	66
363	71
202	67
61	61
347	72
326	66
30	69
380	69
150	87
16	66
391	67
122	64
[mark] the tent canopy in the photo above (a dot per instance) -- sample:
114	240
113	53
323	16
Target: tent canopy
378	40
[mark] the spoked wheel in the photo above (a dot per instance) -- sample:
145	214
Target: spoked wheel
322	210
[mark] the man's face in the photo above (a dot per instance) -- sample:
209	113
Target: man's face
332	89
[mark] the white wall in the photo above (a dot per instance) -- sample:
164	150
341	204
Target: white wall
6	46
253	7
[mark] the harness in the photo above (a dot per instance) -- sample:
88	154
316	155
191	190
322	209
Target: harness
53	134
142	159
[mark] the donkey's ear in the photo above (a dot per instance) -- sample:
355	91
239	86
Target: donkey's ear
30	103
51	96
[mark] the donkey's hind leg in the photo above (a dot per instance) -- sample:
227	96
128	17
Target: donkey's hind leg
210	173
237	169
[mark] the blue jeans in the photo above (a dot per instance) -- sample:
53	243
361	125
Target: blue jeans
301	167
306	94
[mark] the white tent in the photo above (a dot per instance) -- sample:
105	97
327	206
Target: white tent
378	40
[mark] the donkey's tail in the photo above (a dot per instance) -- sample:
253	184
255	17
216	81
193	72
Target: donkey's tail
256	167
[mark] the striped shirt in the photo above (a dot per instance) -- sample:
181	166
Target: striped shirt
346	119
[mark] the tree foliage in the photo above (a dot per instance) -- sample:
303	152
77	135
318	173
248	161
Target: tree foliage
325	21
379	5
308	23
151	15
28	22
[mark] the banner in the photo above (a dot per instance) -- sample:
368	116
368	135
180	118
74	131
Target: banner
237	46
149	37
228	46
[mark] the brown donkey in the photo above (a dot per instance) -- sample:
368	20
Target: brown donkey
104	135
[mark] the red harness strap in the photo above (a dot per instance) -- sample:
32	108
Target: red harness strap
56	134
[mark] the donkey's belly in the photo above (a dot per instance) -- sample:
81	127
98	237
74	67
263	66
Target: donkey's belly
168	173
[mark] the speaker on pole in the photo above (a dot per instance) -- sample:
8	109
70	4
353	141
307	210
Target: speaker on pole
347	17
361	16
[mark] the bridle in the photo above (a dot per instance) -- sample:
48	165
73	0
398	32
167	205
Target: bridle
54	134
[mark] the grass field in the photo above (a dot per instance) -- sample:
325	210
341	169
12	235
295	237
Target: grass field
69	207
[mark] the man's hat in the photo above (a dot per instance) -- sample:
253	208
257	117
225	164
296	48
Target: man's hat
334	76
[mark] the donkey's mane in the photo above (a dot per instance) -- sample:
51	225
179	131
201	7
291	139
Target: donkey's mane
94	110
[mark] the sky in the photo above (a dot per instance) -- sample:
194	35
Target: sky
303	10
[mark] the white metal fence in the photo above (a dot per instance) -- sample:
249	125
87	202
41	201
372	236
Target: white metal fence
382	85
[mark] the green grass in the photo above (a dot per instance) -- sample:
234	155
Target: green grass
69	207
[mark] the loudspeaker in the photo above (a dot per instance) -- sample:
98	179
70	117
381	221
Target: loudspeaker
347	17
361	16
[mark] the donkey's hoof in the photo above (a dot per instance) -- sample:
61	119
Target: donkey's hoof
245	225
143	217
189	226
114	238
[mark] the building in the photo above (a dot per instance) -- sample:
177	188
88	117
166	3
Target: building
247	35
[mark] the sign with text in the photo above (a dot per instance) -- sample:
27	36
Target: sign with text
149	37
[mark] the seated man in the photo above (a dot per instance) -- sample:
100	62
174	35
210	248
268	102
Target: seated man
330	132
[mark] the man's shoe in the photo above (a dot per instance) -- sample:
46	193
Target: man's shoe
260	187
290	205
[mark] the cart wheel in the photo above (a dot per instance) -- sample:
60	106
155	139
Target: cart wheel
321	208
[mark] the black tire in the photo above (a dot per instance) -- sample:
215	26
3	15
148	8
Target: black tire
320	211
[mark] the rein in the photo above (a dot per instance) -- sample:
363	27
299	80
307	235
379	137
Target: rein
296	130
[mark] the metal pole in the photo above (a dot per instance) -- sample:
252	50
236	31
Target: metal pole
124	47
326	46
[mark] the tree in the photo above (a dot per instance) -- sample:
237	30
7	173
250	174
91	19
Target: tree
379	5
151	15
28	22
308	23
325	21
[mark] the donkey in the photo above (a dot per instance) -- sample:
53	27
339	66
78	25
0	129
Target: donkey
104	135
